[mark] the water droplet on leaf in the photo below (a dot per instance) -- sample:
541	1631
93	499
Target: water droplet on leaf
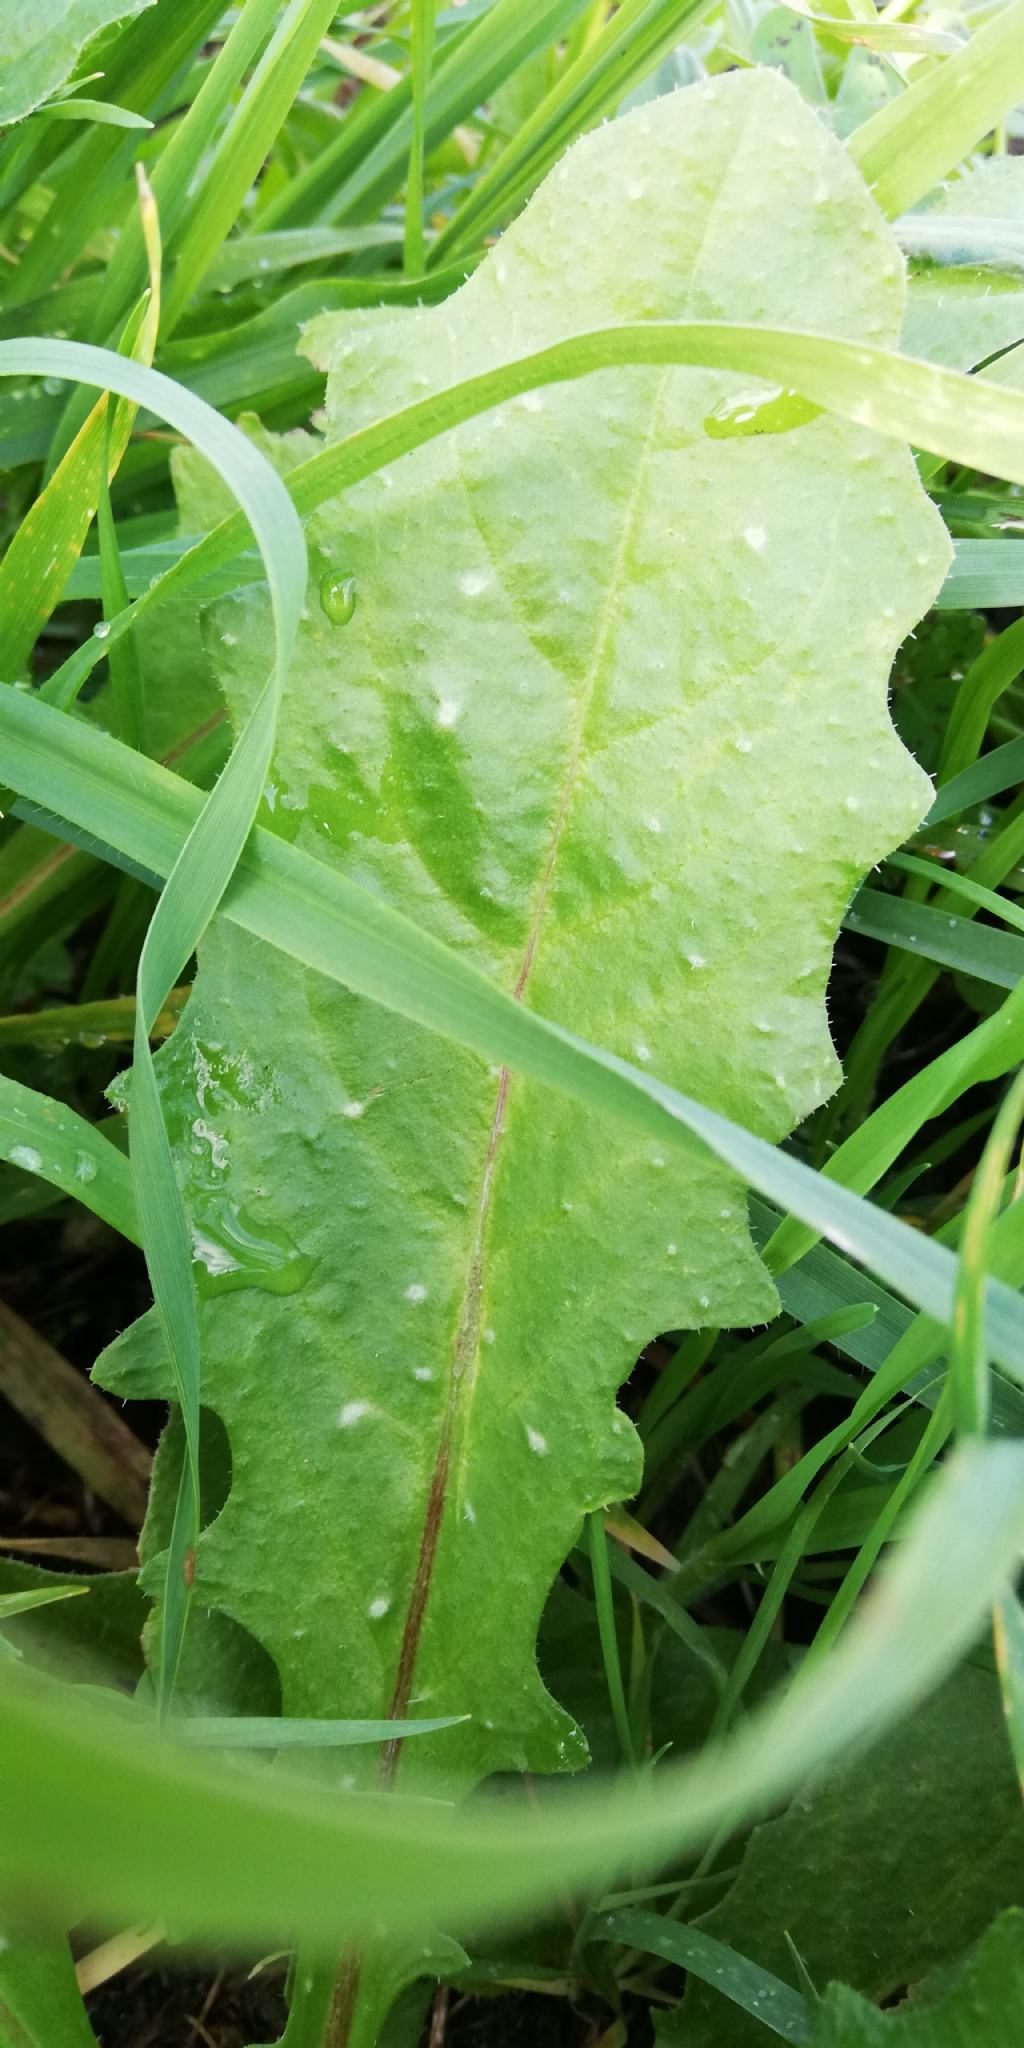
337	597
759	412
27	1157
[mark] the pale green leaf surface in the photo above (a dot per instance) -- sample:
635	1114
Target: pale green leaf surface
885	1870
608	680
982	2009
42	43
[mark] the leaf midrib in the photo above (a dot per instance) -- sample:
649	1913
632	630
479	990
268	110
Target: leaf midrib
466	1343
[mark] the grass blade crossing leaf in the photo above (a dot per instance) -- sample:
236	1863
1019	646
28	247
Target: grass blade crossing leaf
273	1851
194	888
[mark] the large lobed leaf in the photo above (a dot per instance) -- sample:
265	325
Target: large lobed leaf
600	661
881	1872
980	2008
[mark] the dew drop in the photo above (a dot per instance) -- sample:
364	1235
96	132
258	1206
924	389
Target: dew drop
538	1443
759	412
416	1291
337	597
352	1413
101	631
27	1157
85	1168
378	1608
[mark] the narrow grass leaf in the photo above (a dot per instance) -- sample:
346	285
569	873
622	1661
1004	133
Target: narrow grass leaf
779	2008
916	140
274	1852
320	918
968	1353
1008	1633
997	771
957	416
194	888
932	934
236	161
47	1138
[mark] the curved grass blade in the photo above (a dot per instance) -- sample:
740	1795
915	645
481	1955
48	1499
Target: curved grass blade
968	1356
955	416
229	1854
765	1997
194	886
984	1054
996	772
915	141
329	923
47	1138
265	104
273	1732
931	934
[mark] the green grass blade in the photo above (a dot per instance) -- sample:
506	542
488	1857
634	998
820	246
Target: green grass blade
844	1601
313	913
968	1355
1008	1631
957	416
986	575
173	175
264	106
915	141
47	1138
142	66
363	168
422	60
634	39
959	885
984	1054
931	934
598	1549
1000	770
996	667
766	1998
227	1855
274	1732
194	887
